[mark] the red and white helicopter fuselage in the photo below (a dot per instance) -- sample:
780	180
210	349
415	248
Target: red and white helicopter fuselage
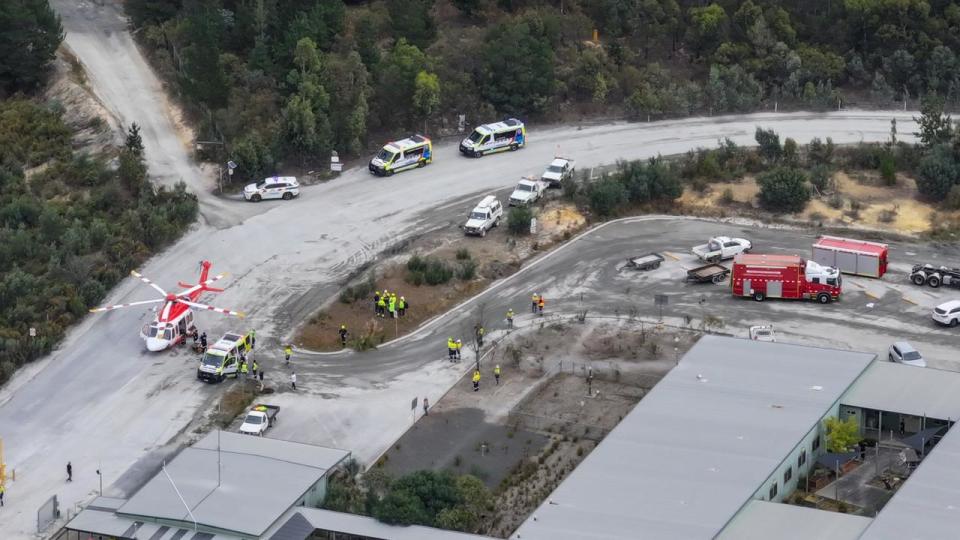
175	319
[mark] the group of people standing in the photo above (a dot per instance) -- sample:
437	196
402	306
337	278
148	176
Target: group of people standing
386	302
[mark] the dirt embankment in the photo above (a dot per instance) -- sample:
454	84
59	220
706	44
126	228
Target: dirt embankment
473	264
94	128
853	199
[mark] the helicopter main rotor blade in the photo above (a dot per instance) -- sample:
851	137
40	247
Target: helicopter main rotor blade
211	308
118	306
139	276
199	286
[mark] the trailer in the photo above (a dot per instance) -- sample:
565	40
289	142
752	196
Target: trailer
714	273
857	257
649	261
927	274
784	276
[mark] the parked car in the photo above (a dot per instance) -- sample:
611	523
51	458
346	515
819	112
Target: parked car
485	216
763	333
559	170
721	247
275	187
527	192
904	353
947	313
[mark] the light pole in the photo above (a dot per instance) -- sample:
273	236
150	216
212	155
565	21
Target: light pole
100	476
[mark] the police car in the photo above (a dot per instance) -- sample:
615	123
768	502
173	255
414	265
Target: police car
397	156
510	134
275	187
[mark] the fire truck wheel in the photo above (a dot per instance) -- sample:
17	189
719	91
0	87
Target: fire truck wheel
823	298
758	296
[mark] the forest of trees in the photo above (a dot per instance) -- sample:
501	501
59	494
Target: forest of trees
289	80
71	224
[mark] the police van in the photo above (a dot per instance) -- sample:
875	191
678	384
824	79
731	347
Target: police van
223	358
396	156
497	137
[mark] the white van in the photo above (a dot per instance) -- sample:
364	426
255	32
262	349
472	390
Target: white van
510	134
223	358
396	156
485	216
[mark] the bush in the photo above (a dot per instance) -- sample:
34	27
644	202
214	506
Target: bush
783	190
727	196
467	270
606	197
416	263
769	142
463	254
359	292
952	201
437	272
518	221
938	173
888	170
820	177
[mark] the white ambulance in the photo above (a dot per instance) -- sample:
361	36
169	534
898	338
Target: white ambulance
510	134
396	156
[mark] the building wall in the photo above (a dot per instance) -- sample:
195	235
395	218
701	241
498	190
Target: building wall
314	496
791	466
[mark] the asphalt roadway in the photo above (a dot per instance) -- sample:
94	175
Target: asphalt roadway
102	400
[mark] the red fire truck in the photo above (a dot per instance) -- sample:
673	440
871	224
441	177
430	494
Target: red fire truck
783	276
851	256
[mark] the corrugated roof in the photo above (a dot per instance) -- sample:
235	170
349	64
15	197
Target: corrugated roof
851	245
928	503
700	444
248	466
369	527
763	520
888	386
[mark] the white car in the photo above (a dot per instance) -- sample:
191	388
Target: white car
485	216
947	313
722	247
275	187
763	333
902	352
527	192
559	170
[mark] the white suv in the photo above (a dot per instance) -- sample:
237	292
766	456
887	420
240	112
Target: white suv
947	313
275	187
484	217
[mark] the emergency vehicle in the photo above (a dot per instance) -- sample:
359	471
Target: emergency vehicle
397	156
852	256
510	134
784	276
222	359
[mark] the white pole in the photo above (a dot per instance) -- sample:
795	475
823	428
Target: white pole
164	469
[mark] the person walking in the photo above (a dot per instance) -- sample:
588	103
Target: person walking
393	306
476	380
2	489
287	351
195	336
426	406
510	319
253	339
261	377
535	303
381	306
343	335
256	367
541	303
69	472
496	373
402	306
244	370
451	349
203	341
459	350
376	302
293	380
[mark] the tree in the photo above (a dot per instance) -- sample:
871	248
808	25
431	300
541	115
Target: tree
790	156
732	89
30	33
606	196
132	170
518	220
769	142
819	153
401	507
413	20
397	84
888	168
426	96
708	27
935	126
347	84
517	79
151	11
842	436
205	79
938	173
783	190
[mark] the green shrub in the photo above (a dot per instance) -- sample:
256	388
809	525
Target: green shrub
952	201
783	190
888	169
467	270
437	272
416	264
518	221
463	254
727	196
606	197
820	177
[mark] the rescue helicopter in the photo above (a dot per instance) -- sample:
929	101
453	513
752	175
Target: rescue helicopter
175	320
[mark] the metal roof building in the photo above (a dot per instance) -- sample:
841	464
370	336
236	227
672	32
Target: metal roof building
700	444
302	523
226	485
889	386
763	520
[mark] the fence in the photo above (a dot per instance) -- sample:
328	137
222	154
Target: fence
47	514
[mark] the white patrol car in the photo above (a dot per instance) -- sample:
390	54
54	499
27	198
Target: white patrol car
223	358
275	187
510	134
484	217
560	169
396	156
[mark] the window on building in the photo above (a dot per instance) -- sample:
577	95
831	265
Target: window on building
773	490
816	443
802	458
787	475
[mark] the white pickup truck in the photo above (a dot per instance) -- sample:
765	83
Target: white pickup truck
527	192
560	169
259	419
722	247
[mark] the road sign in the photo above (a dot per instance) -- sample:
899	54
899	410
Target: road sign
661	299
413	404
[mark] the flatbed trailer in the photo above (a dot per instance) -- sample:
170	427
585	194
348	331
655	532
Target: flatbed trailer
645	262
713	272
935	276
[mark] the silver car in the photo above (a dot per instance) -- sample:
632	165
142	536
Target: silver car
904	353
